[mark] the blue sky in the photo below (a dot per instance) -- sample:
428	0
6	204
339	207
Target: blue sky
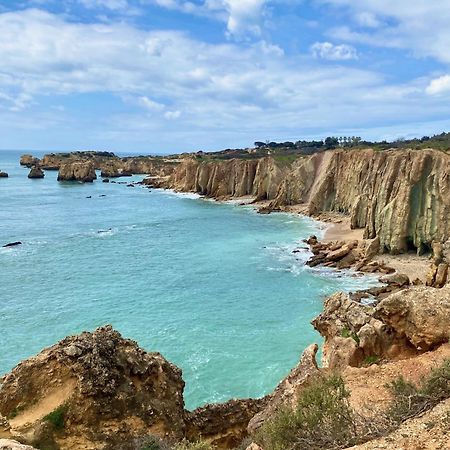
173	75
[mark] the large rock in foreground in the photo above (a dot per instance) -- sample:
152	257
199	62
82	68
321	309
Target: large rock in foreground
95	388
77	171
420	314
7	444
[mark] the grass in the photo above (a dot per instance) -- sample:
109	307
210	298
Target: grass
155	443
57	417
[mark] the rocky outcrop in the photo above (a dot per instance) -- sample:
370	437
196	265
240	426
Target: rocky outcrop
101	391
77	171
223	425
36	172
420	314
354	335
108	390
29	161
3	174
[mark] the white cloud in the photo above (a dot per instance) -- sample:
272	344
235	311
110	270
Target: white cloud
327	50
420	26
242	17
219	94
108	4
150	104
439	85
171	115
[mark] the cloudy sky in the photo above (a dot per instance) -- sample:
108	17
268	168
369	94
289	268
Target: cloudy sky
176	75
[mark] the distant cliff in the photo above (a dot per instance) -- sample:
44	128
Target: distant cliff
401	196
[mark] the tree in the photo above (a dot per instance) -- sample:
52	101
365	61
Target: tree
331	142
259	144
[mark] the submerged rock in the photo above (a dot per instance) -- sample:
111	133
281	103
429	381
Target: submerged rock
77	171
12	244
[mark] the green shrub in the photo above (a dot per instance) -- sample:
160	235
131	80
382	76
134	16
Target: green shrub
410	400
346	333
372	359
199	445
322	420
57	417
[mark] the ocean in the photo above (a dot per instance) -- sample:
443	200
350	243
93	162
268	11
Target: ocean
214	287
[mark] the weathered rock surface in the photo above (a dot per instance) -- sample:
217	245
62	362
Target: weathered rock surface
223	425
7	444
287	392
77	171
29	161
111	391
354	335
36	172
111	394
419	314
260	178
400	196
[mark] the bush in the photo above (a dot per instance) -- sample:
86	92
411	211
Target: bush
322	420
57	417
199	445
410	400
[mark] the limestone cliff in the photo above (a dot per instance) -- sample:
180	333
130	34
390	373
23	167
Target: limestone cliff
260	178
77	171
400	196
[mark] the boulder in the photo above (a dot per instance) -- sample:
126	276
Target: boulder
7	444
397	279
83	171
3	174
420	314
441	275
36	172
372	248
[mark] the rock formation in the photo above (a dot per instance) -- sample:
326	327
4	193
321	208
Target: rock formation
29	161
3	174
77	171
419	314
8	444
260	178
98	390
36	172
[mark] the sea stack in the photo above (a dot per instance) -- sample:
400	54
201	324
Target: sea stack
83	171
36	172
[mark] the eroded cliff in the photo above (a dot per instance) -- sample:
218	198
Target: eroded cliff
400	196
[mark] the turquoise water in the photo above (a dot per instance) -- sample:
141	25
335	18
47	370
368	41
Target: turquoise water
214	287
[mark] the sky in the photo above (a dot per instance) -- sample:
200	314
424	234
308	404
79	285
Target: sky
159	76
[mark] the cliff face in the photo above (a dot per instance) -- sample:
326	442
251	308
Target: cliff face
100	391
401	196
260	178
77	171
